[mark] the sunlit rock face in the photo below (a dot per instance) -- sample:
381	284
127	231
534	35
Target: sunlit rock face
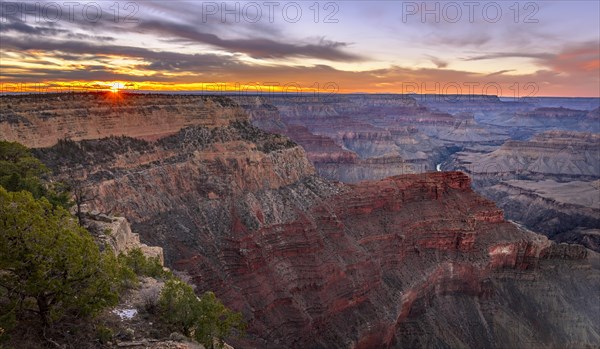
115	232
416	260
41	120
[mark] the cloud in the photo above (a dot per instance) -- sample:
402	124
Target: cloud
11	24
578	59
72	48
437	61
260	48
496	55
500	72
37	75
460	39
186	30
572	59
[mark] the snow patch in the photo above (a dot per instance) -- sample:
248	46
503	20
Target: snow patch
126	314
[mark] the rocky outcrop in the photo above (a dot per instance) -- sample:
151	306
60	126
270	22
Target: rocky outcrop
551	113
349	156
261	113
589	238
365	169
211	163
116	233
407	261
580	103
292	107
320	149
336	162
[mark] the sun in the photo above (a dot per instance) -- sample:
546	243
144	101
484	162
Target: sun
116	87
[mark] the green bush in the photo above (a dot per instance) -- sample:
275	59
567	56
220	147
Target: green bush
20	170
206	319
104	334
142	265
216	322
179	306
49	265
124	277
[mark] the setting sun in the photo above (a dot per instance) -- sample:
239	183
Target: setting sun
116	87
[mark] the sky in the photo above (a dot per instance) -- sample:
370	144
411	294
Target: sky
507	48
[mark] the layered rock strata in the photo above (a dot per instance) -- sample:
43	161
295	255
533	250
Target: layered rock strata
41	120
549	183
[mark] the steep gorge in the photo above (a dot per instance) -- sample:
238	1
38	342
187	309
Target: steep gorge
406	261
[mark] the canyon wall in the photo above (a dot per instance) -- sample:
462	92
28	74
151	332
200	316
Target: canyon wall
560	155
548	183
568	211
375	136
41	120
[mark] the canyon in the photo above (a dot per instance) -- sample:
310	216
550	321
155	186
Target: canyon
369	136
409	258
354	138
351	138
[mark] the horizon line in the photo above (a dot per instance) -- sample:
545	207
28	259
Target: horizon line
262	94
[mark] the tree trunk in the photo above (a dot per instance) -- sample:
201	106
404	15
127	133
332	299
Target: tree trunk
43	309
79	214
